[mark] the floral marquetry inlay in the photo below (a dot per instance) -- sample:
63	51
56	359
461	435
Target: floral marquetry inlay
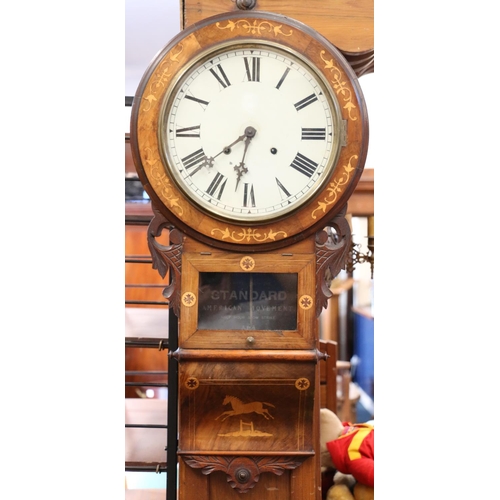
150	100
340	86
161	182
306	302
188	299
192	383
335	188
302	384
255	28
248	234
247	263
160	79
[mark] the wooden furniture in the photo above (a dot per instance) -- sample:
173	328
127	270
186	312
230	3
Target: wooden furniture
347	393
337	392
249	377
349	26
146	333
147	327
328	375
361	203
145	444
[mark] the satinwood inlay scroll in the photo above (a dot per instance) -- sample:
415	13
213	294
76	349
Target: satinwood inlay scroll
255	27
166	257
243	473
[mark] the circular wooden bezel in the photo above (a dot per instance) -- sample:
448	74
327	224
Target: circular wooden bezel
168	66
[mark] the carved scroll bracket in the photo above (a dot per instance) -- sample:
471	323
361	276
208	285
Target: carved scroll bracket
362	63
167	257
332	251
243	473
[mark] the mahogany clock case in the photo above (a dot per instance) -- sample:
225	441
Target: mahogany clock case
147	143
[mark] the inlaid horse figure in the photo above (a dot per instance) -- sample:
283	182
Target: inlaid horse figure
239	408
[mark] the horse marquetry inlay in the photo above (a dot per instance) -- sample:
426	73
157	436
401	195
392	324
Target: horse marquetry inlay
238	407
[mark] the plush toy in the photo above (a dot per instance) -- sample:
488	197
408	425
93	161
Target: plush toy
347	449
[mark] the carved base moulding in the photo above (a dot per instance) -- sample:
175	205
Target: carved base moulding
243	473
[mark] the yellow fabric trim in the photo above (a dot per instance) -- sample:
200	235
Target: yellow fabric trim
353	450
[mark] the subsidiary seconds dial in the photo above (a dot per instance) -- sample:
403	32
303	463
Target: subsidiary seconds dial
250	132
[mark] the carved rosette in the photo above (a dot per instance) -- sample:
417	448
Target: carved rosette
167	257
243	473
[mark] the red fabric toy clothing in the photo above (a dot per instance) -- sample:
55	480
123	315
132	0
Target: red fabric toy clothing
353	452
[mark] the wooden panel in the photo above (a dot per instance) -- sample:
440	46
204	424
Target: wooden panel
346	24
192	336
361	202
328	376
140	274
193	485
145	359
246	407
272	487
145	323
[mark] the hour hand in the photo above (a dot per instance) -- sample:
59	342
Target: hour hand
209	161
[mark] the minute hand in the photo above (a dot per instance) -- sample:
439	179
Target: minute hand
240	168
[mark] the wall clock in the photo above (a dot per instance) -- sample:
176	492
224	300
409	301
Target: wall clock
249	131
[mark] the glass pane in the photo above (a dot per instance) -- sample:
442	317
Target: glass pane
247	301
